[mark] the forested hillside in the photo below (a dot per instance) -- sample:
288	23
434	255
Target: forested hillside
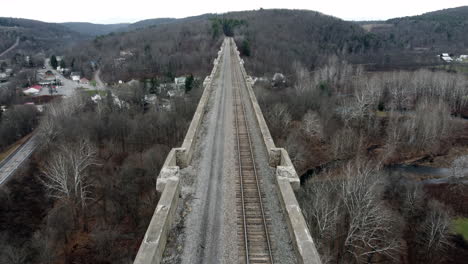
271	40
91	29
440	31
35	35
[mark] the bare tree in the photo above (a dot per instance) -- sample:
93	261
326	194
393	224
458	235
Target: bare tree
279	118
371	227
13	255
434	234
459	168
348	217
311	124
65	173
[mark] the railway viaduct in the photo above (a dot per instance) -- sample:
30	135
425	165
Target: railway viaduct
229	125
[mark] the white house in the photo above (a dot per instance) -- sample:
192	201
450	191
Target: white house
446	57
3	77
75	76
179	81
31	91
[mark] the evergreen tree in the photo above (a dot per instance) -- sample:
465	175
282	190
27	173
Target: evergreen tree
189	83
245	48
53	62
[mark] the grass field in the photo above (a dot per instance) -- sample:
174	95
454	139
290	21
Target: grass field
461	227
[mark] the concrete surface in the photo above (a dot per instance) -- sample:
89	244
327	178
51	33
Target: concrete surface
154	242
303	242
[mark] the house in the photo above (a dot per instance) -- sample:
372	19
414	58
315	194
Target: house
180	82
75	76
84	81
126	53
33	90
3	77
446	57
462	58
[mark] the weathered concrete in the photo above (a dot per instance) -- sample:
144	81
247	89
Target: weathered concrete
304	244
285	169
287	179
154	242
169	171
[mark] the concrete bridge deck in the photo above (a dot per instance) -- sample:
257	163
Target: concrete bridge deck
204	225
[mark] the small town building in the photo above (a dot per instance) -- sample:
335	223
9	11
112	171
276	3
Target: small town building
49	73
33	90
3	77
84	81
126	53
75	76
446	57
180	82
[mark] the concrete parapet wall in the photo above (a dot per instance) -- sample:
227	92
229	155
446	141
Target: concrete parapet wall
303	243
287	180
154	243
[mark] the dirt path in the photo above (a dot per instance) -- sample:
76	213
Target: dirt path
11	48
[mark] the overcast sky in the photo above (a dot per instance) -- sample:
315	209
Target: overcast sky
105	11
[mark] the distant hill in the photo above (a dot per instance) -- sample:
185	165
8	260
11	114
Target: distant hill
440	31
275	39
35	35
91	29
148	23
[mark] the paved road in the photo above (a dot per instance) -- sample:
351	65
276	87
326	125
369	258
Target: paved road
97	77
10	48
68	86
14	161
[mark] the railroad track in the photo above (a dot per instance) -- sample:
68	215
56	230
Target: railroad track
253	219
